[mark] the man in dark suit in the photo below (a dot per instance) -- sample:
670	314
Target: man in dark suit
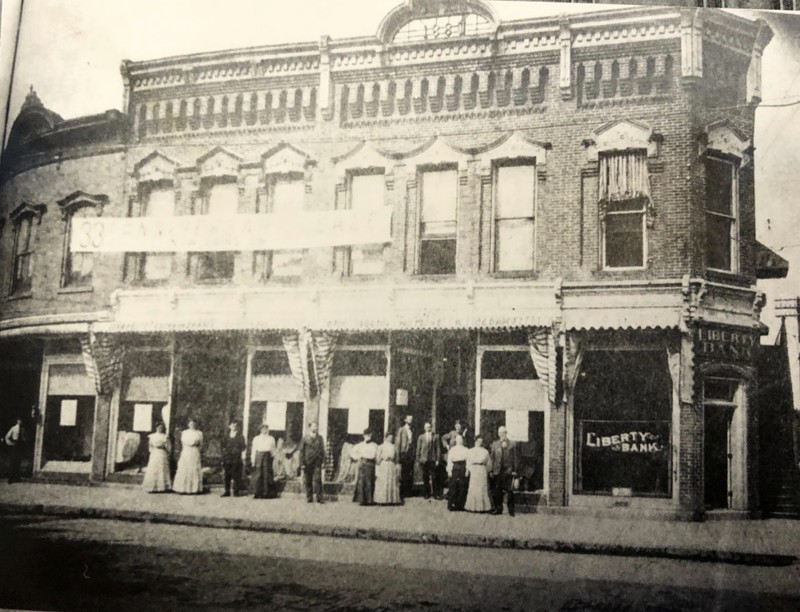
504	456
233	452
428	455
405	451
311	451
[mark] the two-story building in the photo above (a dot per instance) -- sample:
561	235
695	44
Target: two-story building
547	224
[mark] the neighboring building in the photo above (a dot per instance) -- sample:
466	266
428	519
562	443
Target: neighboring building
546	223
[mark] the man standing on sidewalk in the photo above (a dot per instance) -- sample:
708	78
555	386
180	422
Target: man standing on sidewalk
504	457
233	452
15	439
311	451
428	455
405	450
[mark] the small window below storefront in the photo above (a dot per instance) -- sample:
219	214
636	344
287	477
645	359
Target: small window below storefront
623	408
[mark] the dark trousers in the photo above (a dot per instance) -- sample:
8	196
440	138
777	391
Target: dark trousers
312	479
457	487
14	463
430	479
232	474
502	484
406	476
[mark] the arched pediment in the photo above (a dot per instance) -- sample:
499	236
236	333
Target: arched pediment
218	162
363	155
436	151
26	208
723	137
285	159
482	17
78	199
622	135
155	167
516	145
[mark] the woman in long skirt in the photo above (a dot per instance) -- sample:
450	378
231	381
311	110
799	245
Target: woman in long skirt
189	476
279	461
387	474
365	453
156	475
457	471
478	499
261	460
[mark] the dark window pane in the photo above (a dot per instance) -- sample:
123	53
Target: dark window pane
511	337
516	365
720	389
624	241
718	242
213	266
271	363
437	257
359	363
719	183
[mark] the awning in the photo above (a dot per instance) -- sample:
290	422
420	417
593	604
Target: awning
623	318
769	264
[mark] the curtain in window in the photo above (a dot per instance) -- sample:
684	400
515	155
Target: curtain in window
623	176
543	354
102	357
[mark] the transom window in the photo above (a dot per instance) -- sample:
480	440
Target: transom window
439	203
722	199
514	217
624	195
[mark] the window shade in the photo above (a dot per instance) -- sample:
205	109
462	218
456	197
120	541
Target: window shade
623	176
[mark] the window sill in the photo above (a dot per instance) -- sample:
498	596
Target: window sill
68	290
19	296
214	281
149	283
523	274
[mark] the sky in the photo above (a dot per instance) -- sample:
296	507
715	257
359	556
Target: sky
71	50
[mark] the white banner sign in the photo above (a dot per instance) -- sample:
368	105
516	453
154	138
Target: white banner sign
142	417
517	425
276	416
69	413
357	420
267	232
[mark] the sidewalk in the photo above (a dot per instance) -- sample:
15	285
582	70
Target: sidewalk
755	542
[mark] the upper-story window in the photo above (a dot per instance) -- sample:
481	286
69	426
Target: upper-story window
285	195
366	192
722	211
156	199
78	266
219	198
514	217
22	273
624	195
437	229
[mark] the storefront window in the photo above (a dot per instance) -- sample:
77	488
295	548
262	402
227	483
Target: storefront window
623	403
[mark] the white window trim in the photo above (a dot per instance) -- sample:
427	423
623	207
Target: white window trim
421	170
496	164
603	253
69	217
734	218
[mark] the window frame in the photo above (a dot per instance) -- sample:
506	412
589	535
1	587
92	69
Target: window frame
262	268
734	219
16	289
65	282
193	258
343	256
496	165
607	212
136	262
420	234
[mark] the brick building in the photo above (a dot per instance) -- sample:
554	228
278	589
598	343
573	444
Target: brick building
546	223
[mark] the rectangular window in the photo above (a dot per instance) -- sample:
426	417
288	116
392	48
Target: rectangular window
156	200
366	193
514	217
21	281
78	267
439	202
624	193
220	199
285	196
721	212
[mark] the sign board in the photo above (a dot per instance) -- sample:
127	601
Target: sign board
262	232
517	425
143	417
69	413
726	344
276	416
357	420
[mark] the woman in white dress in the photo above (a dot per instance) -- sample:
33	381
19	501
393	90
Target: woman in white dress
387	474
189	475
156	475
478	499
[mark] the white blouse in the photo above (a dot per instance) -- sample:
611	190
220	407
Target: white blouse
387	452
263	443
364	450
457	453
192	437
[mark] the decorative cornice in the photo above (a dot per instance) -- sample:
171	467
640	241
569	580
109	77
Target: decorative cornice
26	208
622	135
218	162
77	199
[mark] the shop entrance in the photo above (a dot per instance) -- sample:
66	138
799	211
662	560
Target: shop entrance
718	456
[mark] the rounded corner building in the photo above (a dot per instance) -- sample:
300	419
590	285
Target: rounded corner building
546	224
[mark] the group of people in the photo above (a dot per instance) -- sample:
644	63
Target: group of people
478	479
269	460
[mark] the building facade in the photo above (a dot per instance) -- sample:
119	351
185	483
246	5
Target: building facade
547	224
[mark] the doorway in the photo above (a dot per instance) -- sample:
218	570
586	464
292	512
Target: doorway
718	455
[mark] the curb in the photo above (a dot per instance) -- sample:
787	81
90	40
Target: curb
408	537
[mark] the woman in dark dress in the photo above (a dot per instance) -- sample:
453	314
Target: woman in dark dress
261	459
